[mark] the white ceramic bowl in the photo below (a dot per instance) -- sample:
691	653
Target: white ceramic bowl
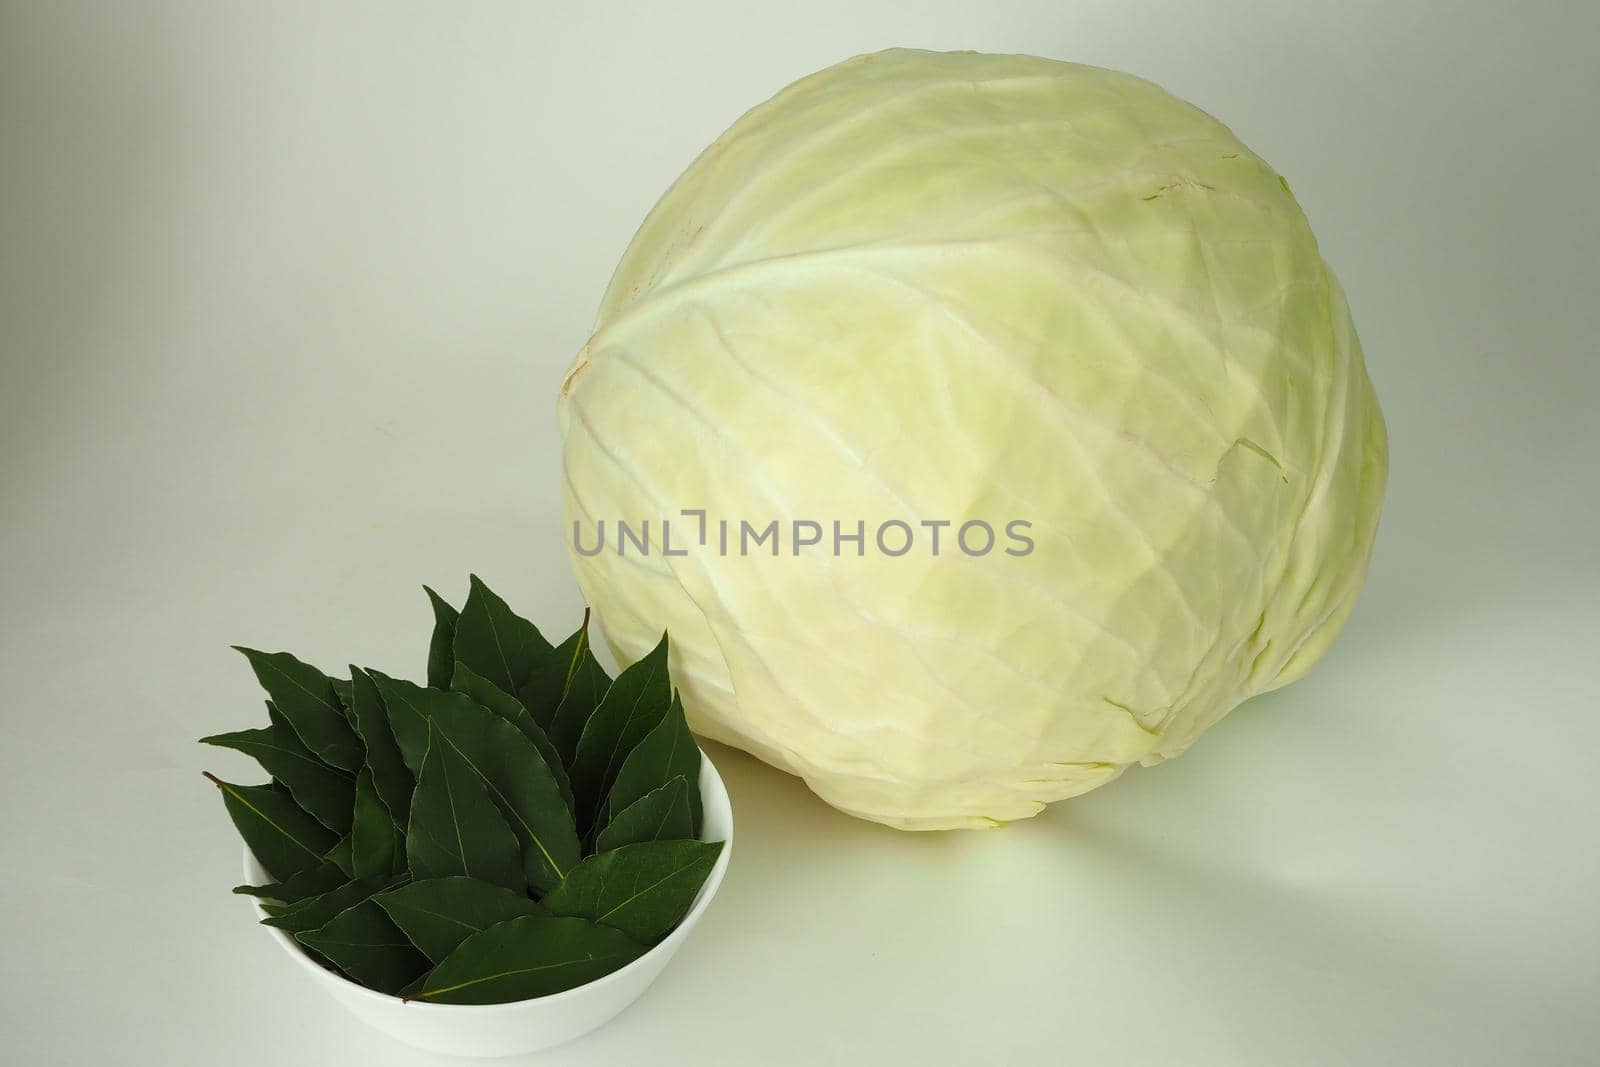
526	1025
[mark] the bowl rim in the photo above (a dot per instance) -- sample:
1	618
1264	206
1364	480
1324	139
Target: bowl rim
712	790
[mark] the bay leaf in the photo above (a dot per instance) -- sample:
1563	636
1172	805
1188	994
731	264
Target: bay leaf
363	943
312	912
441	647
526	957
408	707
344	689
440	913
518	780
660	815
547	682
642	890
308	883
284	837
486	693
633	705
585	688
667	751
324	791
307	699
391	776
342	855
455	828
377	848
495	641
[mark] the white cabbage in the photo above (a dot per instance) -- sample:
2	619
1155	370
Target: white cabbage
925	286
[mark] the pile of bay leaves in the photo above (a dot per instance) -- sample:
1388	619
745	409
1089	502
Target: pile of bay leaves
520	825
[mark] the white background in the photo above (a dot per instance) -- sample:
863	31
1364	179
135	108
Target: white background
287	293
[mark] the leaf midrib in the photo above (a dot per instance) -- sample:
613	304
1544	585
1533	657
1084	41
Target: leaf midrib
639	893
234	742
616	745
438	915
508	806
577	654
275	669
494	632
521	970
264	817
455	821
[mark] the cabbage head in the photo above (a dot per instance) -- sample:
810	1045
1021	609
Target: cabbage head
933	287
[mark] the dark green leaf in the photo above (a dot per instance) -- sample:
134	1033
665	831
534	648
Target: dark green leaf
440	913
585	689
455	828
408	707
325	792
642	890
342	855
376	845
308	883
284	837
509	708
344	689
661	815
496	642
510	767
630	709
547	683
390	774
527	957
667	751
441	649
363	943
306	697
312	912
